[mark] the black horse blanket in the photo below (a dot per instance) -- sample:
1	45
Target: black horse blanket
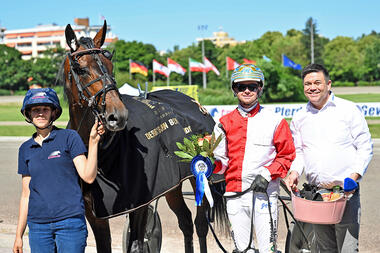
138	164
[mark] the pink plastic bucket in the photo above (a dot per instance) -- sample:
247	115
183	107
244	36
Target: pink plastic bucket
318	212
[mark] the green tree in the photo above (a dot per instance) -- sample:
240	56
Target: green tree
293	48
14	71
267	45
133	50
280	84
319	42
369	46
372	61
44	69
343	60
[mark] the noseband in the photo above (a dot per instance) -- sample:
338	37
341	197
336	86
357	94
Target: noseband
108	81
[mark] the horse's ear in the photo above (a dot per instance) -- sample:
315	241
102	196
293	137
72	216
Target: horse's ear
71	38
100	36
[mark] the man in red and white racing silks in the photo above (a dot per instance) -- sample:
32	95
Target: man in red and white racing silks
257	148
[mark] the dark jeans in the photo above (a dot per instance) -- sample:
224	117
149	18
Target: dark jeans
68	236
342	237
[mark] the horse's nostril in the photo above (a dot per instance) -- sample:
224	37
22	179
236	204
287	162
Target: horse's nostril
112	117
115	121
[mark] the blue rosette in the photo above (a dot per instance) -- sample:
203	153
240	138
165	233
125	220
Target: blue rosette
201	167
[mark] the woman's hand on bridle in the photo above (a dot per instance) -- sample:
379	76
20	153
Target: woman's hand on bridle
97	131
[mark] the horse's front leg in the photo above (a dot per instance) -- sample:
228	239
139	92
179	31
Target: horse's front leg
138	220
100	227
177	204
200	222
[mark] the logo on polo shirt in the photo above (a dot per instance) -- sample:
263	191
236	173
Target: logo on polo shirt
54	154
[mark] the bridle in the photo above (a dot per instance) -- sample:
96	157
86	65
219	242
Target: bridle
108	80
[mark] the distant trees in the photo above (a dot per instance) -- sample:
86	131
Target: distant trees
15	72
354	60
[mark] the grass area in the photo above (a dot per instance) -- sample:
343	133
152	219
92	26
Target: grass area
11	112
26	130
375	130
360	98
17	130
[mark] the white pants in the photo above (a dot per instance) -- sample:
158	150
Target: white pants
239	213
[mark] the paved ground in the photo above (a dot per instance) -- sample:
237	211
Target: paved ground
355	90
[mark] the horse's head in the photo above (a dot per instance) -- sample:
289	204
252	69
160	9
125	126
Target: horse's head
89	80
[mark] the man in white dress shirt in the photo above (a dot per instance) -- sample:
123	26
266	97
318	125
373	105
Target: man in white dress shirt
332	143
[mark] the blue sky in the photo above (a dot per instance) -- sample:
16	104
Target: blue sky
165	23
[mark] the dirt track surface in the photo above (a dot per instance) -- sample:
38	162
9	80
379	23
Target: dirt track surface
10	188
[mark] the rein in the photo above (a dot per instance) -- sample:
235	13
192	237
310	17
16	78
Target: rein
249	247
109	82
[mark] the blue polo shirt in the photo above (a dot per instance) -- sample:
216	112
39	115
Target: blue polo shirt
55	193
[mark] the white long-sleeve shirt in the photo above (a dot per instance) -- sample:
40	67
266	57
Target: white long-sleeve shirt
258	142
331	143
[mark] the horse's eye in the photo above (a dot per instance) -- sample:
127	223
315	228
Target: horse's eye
81	71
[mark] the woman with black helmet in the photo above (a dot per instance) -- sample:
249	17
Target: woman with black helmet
50	162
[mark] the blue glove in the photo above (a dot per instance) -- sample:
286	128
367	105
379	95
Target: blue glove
349	184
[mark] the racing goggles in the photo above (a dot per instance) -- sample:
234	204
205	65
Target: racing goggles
242	87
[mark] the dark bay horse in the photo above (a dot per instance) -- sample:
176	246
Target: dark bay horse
91	92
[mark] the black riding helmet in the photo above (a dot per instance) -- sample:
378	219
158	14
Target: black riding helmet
42	96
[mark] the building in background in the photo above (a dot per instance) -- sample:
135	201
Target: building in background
32	42
2	30
221	39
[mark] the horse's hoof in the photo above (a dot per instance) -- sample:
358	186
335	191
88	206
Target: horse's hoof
189	248
136	247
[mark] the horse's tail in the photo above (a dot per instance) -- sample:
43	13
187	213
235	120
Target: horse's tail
218	213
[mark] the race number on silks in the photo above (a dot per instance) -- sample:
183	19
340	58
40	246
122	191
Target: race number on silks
201	167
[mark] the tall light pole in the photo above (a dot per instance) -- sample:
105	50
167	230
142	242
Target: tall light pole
203	28
312	40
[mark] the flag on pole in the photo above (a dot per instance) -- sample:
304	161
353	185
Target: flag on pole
160	68
175	67
266	58
231	64
138	67
209	66
286	62
196	66
247	61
